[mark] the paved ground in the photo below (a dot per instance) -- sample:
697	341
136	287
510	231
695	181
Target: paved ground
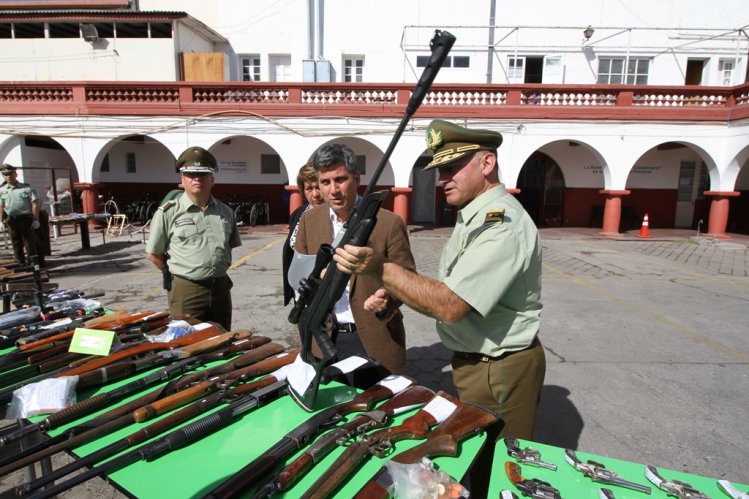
645	338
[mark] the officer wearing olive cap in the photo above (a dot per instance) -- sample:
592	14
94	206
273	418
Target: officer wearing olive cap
19	211
192	237
487	299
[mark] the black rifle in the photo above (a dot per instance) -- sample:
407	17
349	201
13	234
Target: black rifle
317	297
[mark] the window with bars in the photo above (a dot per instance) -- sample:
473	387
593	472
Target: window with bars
270	163
725	69
72	30
353	69
516	68
361	164
130	166
611	70
250	64
458	61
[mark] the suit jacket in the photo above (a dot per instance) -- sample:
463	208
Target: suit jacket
288	254
383	339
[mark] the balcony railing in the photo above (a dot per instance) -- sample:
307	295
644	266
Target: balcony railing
526	101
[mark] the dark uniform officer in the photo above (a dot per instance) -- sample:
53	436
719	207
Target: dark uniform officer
487	299
19	207
192	236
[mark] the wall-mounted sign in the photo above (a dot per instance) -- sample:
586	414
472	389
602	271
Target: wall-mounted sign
232	166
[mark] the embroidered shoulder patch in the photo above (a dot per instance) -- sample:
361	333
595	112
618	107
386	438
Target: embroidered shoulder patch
184	221
495	216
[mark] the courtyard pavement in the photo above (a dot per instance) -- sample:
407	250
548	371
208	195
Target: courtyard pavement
645	339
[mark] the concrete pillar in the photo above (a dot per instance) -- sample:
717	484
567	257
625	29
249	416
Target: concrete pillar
719	208
295	197
612	211
401	203
89	200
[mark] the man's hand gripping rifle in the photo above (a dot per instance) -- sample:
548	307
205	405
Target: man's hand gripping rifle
318	296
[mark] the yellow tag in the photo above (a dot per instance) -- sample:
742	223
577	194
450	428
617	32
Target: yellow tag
495	216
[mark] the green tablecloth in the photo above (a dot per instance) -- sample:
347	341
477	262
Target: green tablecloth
572	484
201	466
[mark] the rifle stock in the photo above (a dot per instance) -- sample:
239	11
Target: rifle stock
467	420
378	443
414	396
317	296
203	334
247	359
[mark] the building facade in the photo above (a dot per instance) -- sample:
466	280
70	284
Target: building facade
608	113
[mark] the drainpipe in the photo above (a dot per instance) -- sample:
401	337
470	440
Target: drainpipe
320	28
490	51
310	29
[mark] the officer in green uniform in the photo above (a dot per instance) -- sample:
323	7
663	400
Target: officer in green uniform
191	239
19	211
487	299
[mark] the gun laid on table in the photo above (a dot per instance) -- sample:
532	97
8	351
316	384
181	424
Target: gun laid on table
674	488
530	487
598	473
177	439
380	443
303	434
466	421
731	490
317	297
278	365
410	398
528	455
141	409
90	405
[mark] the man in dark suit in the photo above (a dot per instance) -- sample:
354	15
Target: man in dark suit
382	336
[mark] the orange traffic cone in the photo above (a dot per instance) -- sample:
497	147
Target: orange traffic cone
645	229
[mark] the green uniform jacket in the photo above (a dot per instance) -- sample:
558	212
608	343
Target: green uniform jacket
493	262
198	242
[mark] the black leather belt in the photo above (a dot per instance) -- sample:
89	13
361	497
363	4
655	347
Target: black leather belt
349	327
206	283
480	357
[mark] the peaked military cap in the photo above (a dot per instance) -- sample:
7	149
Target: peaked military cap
196	160
450	142
7	168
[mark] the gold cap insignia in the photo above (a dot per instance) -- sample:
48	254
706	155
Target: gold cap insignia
434	138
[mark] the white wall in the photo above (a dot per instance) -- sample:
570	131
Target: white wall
124	59
390	34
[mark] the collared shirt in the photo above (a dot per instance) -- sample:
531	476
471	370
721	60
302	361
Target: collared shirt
17	200
494	264
199	242
342	309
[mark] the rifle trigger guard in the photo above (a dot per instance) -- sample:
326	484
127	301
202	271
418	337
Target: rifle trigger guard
382	448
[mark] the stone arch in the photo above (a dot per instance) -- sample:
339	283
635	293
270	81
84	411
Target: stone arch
560	181
667	182
45	163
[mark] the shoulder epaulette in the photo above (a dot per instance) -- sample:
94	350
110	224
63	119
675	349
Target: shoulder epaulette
495	216
168	205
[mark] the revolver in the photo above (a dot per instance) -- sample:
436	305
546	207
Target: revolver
529	455
598	473
674	488
530	487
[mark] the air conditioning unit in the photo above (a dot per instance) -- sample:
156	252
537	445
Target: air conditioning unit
89	33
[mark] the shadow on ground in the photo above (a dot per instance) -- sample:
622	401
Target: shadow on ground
558	422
